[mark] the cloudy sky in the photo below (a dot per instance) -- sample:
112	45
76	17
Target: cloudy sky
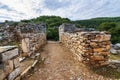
74	9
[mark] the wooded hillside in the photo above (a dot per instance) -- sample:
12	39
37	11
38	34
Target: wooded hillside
110	24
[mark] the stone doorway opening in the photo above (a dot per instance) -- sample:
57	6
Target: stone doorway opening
53	34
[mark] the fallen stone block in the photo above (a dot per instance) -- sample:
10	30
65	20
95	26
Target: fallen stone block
14	74
9	54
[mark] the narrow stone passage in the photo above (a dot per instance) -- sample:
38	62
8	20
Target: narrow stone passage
60	64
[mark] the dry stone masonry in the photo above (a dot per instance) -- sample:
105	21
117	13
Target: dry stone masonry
89	46
28	38
9	62
32	38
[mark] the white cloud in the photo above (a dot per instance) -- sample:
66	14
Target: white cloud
73	9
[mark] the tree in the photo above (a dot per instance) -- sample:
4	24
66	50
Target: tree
52	34
106	26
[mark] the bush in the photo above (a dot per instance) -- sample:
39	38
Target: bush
52	34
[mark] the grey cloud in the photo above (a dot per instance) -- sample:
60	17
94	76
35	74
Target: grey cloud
73	9
5	17
55	4
2	6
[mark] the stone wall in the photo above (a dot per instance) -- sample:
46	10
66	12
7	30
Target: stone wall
29	38
32	38
9	63
31	43
89	46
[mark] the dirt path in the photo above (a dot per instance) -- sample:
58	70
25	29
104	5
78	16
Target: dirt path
60	65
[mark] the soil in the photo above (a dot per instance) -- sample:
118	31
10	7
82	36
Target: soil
58	63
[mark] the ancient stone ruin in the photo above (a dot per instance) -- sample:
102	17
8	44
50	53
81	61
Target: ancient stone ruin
9	62
30	38
33	36
89	46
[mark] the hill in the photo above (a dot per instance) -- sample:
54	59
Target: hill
95	22
110	24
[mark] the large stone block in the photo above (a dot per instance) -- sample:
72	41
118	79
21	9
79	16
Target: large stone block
7	55
25	45
14	74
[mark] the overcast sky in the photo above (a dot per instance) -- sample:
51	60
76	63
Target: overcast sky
74	9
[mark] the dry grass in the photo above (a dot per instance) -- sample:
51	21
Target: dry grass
107	71
114	57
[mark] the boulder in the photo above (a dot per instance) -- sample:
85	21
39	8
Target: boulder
113	51
117	46
14	74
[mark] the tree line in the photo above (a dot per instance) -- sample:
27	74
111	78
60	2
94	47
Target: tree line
110	24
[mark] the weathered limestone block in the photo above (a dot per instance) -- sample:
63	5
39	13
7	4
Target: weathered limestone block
14	74
7	55
25	45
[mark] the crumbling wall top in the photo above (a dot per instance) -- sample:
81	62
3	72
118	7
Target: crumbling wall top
32	28
71	28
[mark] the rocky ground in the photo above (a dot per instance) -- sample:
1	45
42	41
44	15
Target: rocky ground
59	64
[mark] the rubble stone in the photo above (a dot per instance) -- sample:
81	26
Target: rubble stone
92	46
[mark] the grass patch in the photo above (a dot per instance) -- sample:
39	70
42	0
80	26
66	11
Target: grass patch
107	71
114	57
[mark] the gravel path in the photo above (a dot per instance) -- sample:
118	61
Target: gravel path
59	64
